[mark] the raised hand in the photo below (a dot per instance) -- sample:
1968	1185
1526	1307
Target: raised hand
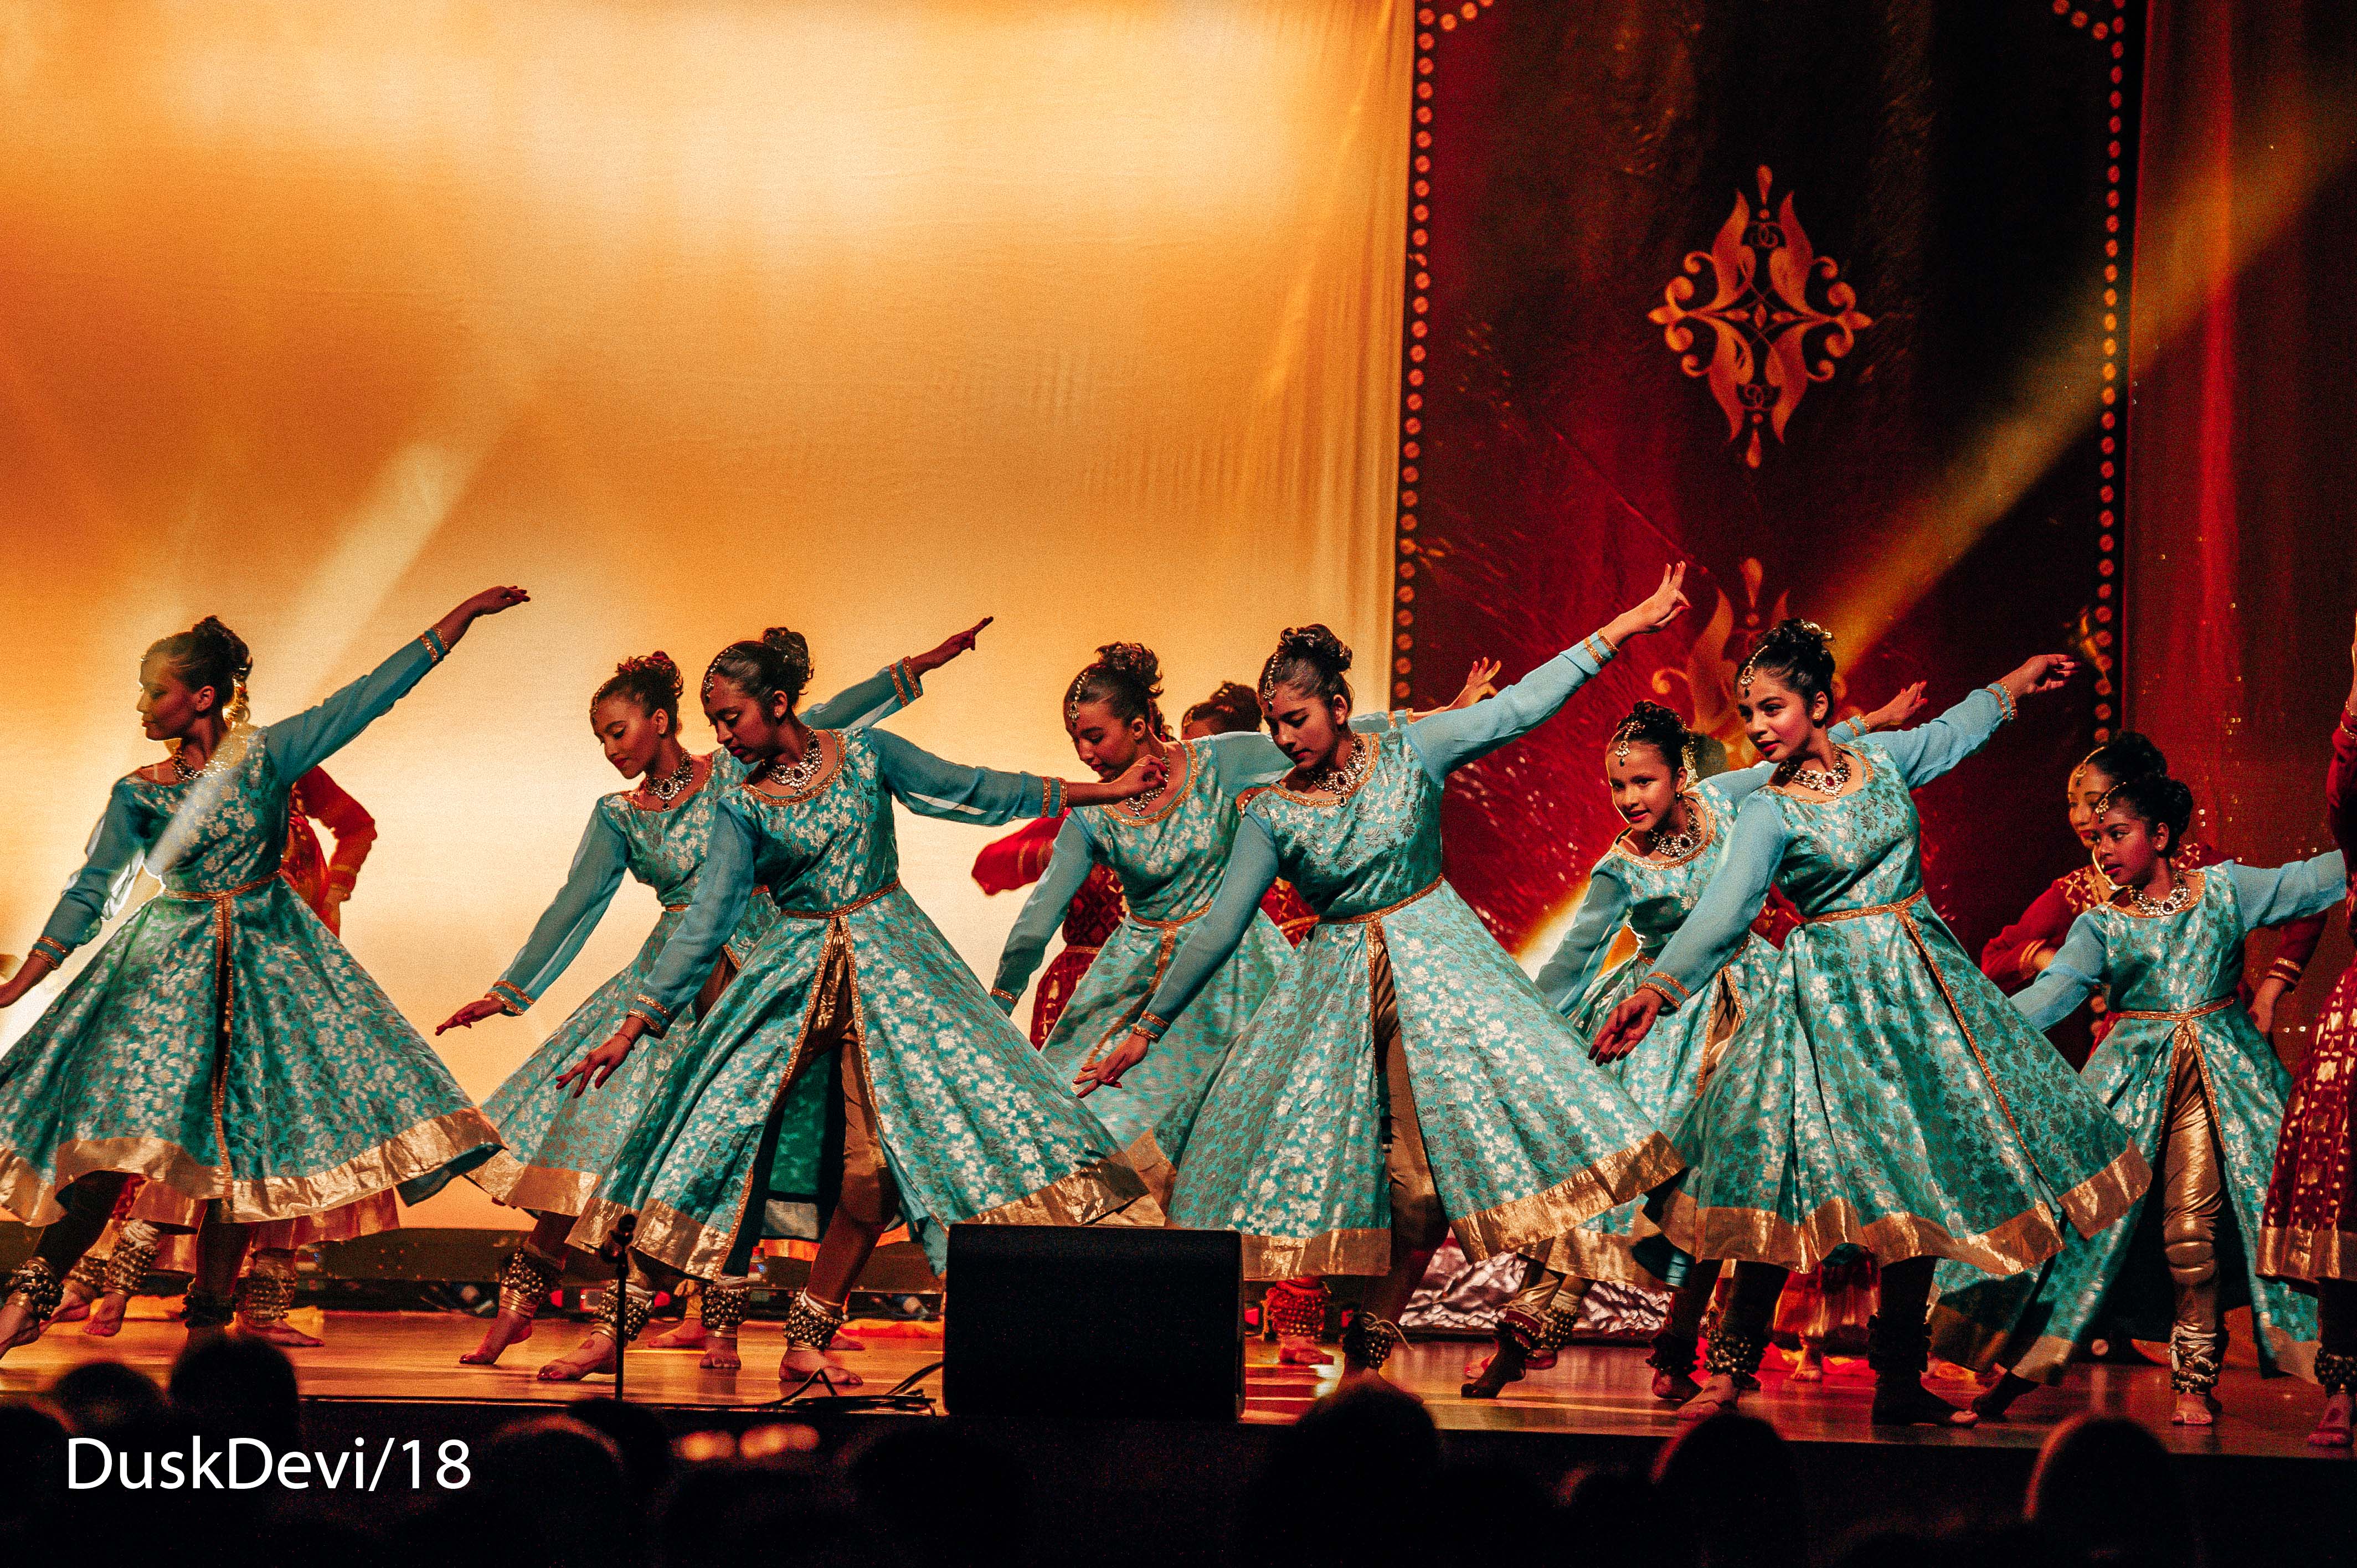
491	601
2046	672
1480	682
472	1013
1658	609
1107	1071
592	1071
958	642
1898	711
1143	777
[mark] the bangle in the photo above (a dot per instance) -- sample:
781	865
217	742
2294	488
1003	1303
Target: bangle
434	645
1670	991
1152	1027
2348	723
2005	699
513	997
1597	647
649	1012
2287	971
49	947
1006	996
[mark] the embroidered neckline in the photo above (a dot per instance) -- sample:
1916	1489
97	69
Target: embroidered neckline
1372	742
2195	881
231	751
1706	830
1174	789
1862	774
831	745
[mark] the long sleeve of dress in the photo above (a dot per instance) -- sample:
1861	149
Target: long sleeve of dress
301	743
722	889
1043	911
2271	895
1448	740
2077	969
1018	859
1722	920
1928	750
933	788
2044	924
1251	871
109	867
1602	910
878	697
571	915
326	801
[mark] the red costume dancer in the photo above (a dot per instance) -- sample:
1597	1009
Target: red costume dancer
2308	1230
154	1227
1018	861
2019	954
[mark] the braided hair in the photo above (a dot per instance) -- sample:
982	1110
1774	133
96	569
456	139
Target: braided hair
777	664
210	654
1128	678
652	682
1310	658
2158	800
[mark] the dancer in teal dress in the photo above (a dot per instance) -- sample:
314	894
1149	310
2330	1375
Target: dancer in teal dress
222	1042
854	1070
2193	1081
1407	1078
1168	849
1647	883
1885	1094
557	1144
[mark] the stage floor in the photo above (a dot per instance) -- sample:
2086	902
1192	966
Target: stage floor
1598	1390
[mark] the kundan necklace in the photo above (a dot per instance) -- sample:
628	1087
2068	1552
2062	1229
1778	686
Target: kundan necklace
1342	781
791	777
1824	781
2179	894
667	788
1144	806
1677	846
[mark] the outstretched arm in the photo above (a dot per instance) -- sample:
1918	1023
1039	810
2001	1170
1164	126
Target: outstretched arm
1603	907
1252	870
2271	895
109	868
2077	969
1927	751
890	689
1043	911
987	796
1448	740
301	743
556	938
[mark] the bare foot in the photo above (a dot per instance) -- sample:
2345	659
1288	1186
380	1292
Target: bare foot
107	1316
2194	1409
74	1307
1993	1402
687	1334
844	1343
282	1333
17	1328
1675	1387
801	1362
720	1353
1905	1401
1300	1350
593	1355
1721	1394
1808	1366
1501	1367
2333	1426
507	1329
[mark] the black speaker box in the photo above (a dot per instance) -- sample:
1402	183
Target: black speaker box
1093	1321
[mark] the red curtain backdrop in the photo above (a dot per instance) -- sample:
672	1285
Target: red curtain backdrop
2241	533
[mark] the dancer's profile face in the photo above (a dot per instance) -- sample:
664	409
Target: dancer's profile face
1779	721
168	706
2128	849
1644	785
630	734
1103	743
2089	785
1307	727
752	732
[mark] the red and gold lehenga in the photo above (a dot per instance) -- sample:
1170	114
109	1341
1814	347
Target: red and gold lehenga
2307	1233
1018	861
155	1228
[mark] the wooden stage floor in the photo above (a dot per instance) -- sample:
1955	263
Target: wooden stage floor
1596	1391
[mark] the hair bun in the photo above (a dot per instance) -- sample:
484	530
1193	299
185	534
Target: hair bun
1316	643
1134	662
653	672
214	635
2127	755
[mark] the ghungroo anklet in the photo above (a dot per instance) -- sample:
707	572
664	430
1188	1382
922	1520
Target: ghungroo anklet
623	1314
1734	1352
721	1307
1561	1324
204	1309
263	1298
89	1272
2337	1371
1297	1309
527	1281
36	1287
1369	1341
1674	1354
2194	1358
134	1251
811	1324
1527	1329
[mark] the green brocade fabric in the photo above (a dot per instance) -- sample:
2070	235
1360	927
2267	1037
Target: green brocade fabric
222	1042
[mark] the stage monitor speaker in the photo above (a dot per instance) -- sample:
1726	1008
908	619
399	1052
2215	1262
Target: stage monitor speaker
1093	1321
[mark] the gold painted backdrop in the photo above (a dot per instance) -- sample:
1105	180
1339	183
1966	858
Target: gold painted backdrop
870	319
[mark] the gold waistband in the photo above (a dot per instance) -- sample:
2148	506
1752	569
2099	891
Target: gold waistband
891	886
1135	918
1901	908
1429	888
2186	1016
193	894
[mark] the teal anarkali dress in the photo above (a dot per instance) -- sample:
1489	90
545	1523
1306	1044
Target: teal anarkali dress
1651	896
1169	857
1523	1137
853	1027
222	1042
558	1144
2172	979
1884	1094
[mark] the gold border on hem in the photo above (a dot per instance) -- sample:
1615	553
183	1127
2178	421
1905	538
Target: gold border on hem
2304	1256
543	1190
1543	1217
1331	1253
2023	1241
1102	1187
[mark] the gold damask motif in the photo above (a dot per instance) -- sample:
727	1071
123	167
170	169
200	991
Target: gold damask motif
1771	340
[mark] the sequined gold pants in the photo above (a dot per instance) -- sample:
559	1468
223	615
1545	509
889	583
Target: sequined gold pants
1419	1223
2192	1194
